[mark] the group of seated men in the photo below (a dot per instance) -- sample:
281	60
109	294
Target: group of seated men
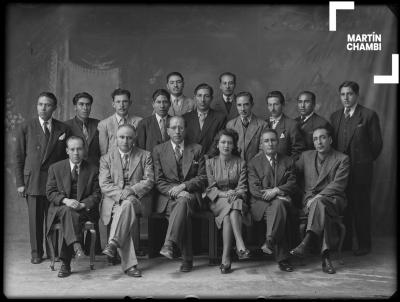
64	169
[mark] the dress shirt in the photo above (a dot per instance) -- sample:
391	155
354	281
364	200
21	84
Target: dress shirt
78	168
41	121
307	117
120	118
181	146
225	97
352	109
275	121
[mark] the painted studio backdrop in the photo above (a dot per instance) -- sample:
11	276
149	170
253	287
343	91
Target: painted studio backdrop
72	48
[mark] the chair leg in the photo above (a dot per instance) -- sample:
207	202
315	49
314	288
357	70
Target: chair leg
51	248
92	247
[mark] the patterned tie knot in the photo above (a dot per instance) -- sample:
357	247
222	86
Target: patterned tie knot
46	129
245	121
75	172
228	98
178	153
347	112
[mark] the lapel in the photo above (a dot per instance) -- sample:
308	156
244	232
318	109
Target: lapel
54	135
154	128
354	121
82	180
92	130
134	160
170	159
280	127
38	130
66	178
207	123
326	167
251	130
187	160
267	169
280	169
239	128
220	105
118	164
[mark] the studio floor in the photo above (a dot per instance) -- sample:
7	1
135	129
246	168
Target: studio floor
371	276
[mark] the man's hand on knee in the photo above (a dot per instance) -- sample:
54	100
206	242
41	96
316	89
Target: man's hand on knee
184	194
174	191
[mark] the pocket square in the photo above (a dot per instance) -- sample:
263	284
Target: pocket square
360	125
61	137
195	162
282	135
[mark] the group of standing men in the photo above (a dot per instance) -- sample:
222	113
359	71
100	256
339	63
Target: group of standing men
63	169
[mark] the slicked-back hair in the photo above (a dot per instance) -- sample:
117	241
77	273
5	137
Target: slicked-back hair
245	93
312	94
269	130
120	91
159	92
204	86
175	73
353	85
175	117
82	95
227	73
276	94
328	129
49	95
231	133
127	126
75	137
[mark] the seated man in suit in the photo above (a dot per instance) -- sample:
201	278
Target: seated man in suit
180	104
74	195
325	173
226	100
291	142
272	182
248	126
180	174
204	123
126	175
308	119
152	130
121	101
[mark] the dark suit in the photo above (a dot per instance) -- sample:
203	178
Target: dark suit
214	122
330	182
218	104
307	127
193	175
276	212
88	192
149	133
363	143
291	142
33	158
92	144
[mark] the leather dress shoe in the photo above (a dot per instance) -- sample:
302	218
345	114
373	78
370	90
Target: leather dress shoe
167	251
267	248
134	272
300	250
110	250
36	260
327	266
243	254
186	266
361	252
114	261
285	266
64	271
225	268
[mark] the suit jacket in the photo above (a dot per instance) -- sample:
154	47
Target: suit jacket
214	122
261	177
188	105
291	141
306	129
33	158
111	178
331	181
166	172
59	187
249	140
365	143
108	131
92	146
218	104
149	133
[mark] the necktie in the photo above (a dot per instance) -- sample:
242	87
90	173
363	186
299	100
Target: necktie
123	121
178	153
46	130
273	164
273	122
85	131
202	117
163	129
75	173
228	99
245	122
125	161
346	112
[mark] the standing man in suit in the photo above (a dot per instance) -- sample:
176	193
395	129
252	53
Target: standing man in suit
126	175
40	143
152	130
226	100
180	103
86	127
325	172
291	141
180	174
204	123
357	133
248	126
308	119
121	101
74	195
272	182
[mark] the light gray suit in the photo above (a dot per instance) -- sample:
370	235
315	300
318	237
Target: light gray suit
187	105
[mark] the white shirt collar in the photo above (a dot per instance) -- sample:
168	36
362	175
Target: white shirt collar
225	98
205	113
119	118
173	98
181	145
41	121
159	118
352	109
308	116
270	157
248	118
122	153
72	165
276	118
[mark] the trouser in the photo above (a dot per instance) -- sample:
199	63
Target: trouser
37	212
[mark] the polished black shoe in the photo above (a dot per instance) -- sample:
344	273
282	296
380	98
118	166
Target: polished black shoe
186	266
300	250
362	252
114	261
64	271
134	272
110	250
167	251
243	254
327	266
36	260
225	268
285	266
